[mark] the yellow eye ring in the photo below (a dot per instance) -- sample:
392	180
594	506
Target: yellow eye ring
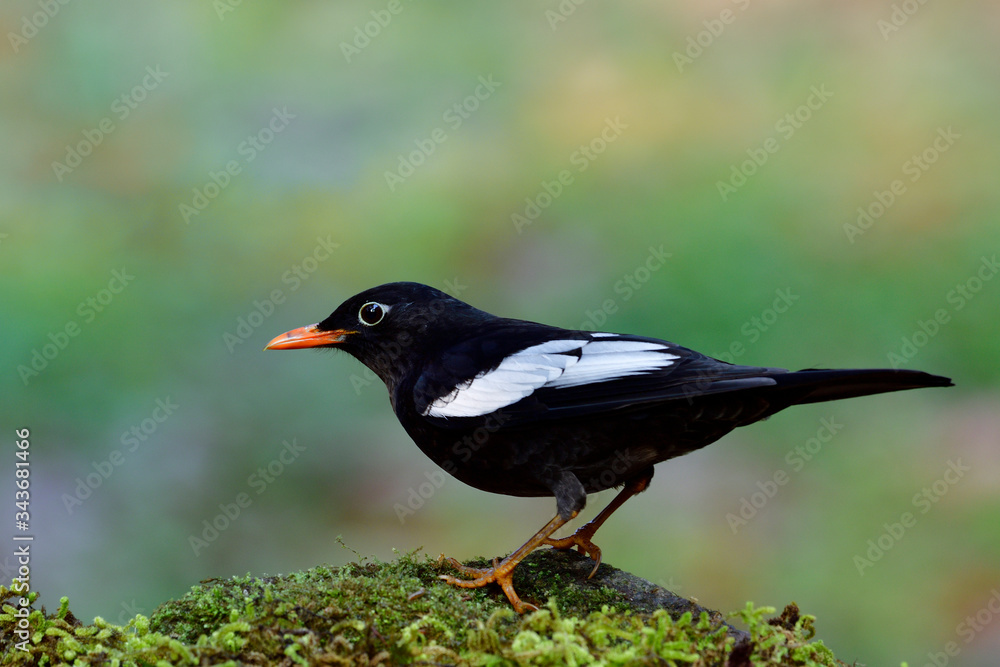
371	313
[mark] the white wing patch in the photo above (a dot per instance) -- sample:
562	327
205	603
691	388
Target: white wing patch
613	359
555	363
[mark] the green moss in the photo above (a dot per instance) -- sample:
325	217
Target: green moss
399	612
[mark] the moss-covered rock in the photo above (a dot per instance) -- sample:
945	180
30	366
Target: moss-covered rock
399	612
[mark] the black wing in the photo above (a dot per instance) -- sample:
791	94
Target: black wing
550	374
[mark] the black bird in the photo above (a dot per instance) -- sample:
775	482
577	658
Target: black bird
524	409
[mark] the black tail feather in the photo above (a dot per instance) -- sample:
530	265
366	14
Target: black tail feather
815	385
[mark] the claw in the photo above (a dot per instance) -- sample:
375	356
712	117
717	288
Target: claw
581	540
501	573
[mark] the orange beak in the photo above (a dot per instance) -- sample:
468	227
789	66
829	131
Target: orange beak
309	336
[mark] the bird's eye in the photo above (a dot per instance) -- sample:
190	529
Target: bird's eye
372	313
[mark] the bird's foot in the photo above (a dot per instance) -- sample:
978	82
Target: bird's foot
581	539
502	573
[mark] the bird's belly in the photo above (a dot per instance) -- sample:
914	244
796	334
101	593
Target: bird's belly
602	452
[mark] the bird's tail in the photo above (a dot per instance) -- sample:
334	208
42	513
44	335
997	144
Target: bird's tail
815	385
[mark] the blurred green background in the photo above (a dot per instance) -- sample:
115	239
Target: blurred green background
276	124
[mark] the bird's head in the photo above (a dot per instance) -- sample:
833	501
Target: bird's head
386	328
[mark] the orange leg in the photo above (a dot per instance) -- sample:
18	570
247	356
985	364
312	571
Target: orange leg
582	537
502	572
